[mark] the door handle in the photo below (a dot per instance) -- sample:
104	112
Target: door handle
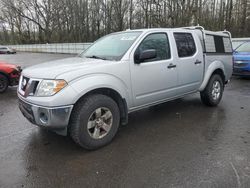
197	62
170	66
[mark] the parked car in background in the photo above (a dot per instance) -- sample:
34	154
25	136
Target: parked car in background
7	50
236	42
241	56
9	75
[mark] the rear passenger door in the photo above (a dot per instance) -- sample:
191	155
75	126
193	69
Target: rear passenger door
189	61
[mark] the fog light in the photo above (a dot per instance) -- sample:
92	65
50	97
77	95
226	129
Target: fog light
43	118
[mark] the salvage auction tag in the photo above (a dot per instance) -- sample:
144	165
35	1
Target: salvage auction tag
129	38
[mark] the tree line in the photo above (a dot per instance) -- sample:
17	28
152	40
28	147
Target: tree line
50	21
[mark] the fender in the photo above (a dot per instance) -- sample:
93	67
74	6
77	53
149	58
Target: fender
91	82
81	86
209	71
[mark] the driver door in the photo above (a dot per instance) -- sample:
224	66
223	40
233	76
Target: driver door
154	80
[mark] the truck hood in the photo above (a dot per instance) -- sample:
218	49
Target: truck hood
53	69
7	65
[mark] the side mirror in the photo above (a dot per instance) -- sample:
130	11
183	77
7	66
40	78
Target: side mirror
144	55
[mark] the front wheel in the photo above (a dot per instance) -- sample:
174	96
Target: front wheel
94	121
4	83
212	94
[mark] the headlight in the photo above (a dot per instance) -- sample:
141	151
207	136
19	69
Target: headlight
50	87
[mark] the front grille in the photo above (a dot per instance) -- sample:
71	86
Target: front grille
240	64
237	70
24	83
32	88
15	73
28	86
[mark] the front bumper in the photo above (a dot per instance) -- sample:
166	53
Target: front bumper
14	76
241	72
48	117
241	69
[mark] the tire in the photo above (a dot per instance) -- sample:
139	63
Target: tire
212	94
85	121
4	83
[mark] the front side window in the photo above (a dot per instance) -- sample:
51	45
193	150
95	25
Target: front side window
245	47
111	47
185	44
158	42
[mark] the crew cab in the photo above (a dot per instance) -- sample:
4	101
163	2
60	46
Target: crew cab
89	96
9	75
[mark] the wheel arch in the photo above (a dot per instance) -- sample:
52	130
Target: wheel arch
220	72
216	67
120	101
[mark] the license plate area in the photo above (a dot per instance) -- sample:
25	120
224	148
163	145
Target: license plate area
27	111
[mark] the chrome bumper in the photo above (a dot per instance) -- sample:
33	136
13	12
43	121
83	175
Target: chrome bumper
54	118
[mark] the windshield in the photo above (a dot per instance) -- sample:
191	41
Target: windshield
244	47
236	44
111	47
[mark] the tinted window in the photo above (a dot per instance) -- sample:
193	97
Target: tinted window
219	45
185	44
158	42
244	47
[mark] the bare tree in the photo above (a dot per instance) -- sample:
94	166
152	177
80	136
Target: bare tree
42	21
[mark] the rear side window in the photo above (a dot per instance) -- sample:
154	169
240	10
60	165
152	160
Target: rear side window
217	44
158	42
185	44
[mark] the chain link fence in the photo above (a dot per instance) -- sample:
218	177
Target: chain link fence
67	48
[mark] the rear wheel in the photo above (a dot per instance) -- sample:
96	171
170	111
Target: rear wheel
213	92
94	121
4	83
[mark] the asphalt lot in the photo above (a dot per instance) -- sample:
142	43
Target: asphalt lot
178	144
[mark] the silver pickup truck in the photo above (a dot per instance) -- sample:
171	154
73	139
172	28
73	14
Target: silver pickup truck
89	96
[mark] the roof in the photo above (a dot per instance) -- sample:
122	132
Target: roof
220	33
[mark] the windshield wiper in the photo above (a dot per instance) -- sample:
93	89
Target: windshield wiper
96	57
